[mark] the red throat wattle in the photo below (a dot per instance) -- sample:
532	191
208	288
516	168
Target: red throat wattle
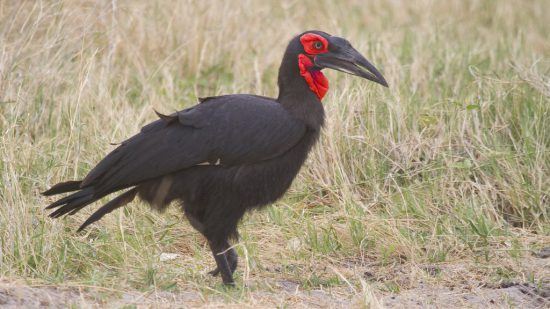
315	79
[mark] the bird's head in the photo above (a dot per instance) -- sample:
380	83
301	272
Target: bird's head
317	50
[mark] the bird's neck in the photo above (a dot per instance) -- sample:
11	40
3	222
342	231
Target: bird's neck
296	95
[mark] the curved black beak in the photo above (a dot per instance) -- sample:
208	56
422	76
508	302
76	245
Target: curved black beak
346	59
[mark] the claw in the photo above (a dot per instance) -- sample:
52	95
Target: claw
214	272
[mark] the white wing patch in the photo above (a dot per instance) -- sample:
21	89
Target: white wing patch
218	162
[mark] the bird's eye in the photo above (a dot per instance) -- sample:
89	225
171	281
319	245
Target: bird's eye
317	45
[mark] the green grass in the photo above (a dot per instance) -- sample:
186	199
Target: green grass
450	165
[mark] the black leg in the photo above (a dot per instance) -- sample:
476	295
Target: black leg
221	262
232	259
227	259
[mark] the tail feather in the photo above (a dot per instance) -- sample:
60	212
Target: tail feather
117	202
71	198
75	203
63	187
72	212
71	204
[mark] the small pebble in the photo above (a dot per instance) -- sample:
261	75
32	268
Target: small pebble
368	275
168	256
544	253
432	270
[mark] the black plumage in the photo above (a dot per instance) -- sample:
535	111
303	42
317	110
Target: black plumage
226	155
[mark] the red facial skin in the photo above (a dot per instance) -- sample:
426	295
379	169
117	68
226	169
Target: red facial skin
308	41
313	44
315	79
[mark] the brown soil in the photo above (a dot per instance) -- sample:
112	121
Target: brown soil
509	295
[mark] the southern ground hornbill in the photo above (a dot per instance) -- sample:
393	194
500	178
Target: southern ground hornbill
226	155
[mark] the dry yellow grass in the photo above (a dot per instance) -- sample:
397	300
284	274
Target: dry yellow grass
449	168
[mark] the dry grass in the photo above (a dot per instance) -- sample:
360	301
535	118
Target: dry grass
450	166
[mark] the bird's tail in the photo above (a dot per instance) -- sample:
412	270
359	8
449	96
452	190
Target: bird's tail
115	203
74	202
63	187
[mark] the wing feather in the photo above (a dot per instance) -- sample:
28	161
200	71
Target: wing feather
234	130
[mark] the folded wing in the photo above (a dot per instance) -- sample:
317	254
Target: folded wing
227	130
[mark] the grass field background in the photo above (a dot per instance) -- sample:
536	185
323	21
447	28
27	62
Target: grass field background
449	166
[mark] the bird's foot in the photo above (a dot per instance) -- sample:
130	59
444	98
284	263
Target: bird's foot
214	272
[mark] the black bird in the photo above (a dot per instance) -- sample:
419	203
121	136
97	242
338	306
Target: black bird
227	154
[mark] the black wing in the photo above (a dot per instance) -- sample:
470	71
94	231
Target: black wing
229	130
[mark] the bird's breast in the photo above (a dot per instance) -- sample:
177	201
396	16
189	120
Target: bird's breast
248	185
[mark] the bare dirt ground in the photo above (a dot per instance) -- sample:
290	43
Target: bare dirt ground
458	287
514	295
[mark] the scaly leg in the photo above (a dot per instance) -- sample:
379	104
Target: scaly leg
221	262
232	258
